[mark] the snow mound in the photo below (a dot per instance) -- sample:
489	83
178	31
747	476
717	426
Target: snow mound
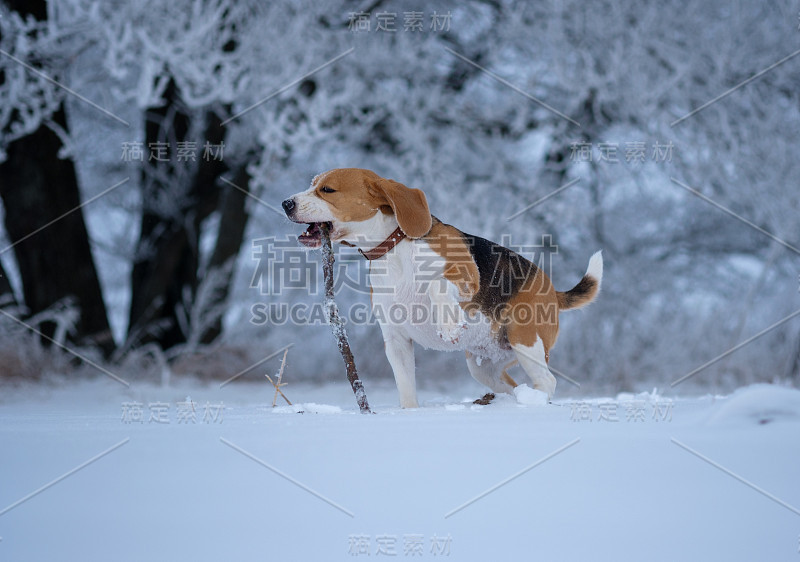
530	396
307	408
759	403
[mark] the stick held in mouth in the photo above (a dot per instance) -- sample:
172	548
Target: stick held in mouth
335	321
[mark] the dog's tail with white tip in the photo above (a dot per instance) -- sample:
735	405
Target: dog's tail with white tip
587	288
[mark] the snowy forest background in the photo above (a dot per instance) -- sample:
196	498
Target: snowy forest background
158	276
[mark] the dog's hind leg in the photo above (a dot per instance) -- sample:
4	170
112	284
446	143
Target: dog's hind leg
506	377
533	361
489	373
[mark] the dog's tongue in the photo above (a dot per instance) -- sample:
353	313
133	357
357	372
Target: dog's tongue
312	236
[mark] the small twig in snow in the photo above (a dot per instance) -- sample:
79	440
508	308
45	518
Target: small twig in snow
279	384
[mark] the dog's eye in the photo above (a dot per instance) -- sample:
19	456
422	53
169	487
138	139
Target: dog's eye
326	189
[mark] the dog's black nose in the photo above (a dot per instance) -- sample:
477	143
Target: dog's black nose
288	206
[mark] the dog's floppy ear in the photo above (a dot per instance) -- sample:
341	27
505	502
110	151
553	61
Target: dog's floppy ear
409	205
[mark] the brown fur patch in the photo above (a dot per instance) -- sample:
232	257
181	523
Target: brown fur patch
460	268
532	314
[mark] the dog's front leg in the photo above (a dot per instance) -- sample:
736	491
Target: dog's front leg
448	314
400	353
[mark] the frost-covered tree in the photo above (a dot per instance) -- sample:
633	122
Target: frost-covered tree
489	108
39	185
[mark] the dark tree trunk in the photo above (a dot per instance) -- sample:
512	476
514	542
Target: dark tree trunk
164	262
232	223
177	196
56	263
6	291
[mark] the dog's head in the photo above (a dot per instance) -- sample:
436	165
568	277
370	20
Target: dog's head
350	198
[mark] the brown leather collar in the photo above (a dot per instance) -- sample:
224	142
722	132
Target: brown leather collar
383	248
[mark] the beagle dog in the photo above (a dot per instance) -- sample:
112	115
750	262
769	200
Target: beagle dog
432	284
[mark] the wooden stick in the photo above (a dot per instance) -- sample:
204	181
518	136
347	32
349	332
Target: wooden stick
337	327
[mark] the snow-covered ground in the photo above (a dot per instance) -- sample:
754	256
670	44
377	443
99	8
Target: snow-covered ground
249	482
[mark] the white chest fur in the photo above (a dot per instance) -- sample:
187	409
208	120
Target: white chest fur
410	294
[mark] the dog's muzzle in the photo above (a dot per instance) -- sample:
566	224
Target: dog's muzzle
312	236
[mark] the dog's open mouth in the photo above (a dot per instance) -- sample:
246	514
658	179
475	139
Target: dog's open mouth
312	236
